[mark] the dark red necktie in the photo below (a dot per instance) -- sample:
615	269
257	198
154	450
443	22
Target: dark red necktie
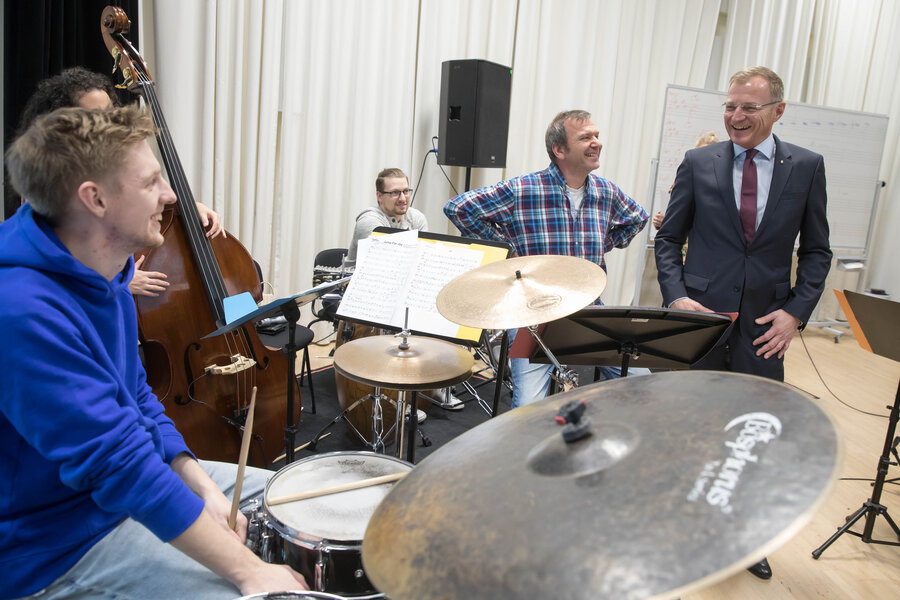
748	196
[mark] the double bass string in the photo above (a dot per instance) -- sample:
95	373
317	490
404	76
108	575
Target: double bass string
188	367
208	265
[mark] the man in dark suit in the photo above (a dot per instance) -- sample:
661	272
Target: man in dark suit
742	218
741	246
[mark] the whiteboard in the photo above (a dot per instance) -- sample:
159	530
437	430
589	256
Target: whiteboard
850	142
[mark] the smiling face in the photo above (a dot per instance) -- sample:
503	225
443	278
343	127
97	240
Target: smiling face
393	207
583	153
747	130
136	197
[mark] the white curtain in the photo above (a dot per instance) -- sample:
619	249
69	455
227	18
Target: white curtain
857	66
285	110
841	54
453	31
613	59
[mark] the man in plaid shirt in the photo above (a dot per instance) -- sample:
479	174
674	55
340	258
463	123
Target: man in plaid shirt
564	209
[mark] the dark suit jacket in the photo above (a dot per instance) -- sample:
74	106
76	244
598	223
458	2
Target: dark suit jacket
720	270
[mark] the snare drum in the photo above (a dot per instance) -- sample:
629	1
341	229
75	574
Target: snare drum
321	537
304	596
349	391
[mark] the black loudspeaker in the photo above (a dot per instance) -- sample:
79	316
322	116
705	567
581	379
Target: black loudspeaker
474	117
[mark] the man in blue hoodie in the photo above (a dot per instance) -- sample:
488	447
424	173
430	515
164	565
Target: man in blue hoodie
95	478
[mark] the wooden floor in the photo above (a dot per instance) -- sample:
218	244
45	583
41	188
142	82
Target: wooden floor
849	569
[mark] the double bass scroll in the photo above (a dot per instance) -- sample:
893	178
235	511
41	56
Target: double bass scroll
204	384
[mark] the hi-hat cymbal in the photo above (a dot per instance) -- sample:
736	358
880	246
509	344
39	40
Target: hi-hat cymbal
427	363
520	292
686	478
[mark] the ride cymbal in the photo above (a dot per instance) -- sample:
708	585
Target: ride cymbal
685	478
520	292
380	361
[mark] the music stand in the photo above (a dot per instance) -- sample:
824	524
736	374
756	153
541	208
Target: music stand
663	338
876	325
290	309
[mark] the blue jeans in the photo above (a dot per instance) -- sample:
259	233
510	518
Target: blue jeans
531	381
131	563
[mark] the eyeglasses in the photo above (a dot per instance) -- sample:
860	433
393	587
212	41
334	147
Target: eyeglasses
747	109
396	193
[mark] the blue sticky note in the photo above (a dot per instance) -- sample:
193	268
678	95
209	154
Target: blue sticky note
238	305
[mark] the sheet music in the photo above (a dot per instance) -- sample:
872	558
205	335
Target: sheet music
397	271
382	267
438	264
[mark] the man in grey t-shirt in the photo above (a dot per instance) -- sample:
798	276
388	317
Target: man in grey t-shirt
393	195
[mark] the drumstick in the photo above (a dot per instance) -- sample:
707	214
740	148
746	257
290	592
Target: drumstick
242	461
301	447
344	487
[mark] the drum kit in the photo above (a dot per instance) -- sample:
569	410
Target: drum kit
642	487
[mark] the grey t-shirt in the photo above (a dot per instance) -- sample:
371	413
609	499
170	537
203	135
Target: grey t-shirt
372	217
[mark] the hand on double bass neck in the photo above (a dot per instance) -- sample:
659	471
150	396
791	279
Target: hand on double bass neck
210	220
153	283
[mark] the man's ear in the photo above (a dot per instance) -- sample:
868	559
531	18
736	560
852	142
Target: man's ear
779	109
91	196
559	151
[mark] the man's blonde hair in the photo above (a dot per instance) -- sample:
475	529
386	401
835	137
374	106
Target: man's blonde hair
776	86
69	146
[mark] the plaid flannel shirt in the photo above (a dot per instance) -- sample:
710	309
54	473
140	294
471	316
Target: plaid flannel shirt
533	213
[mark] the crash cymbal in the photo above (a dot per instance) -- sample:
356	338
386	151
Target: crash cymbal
519	292
380	361
685	478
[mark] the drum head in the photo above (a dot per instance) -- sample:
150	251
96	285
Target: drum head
336	517
300	596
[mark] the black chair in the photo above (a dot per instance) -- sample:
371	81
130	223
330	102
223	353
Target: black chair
273	332
328	267
268	335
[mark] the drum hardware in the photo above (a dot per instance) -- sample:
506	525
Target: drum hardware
712	456
300	447
306	595
415	363
365	407
520	292
377	443
575	424
566	378
321	536
485	353
380	439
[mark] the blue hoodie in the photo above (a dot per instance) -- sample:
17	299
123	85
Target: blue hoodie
84	442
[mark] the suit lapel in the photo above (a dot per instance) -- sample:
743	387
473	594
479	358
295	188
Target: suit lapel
780	174
724	165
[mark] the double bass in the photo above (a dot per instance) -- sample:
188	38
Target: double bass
204	384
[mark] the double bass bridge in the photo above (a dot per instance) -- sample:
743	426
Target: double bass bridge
239	363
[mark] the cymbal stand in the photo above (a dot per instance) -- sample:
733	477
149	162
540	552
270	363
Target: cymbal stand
567	378
377	442
485	354
872	507
403	403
